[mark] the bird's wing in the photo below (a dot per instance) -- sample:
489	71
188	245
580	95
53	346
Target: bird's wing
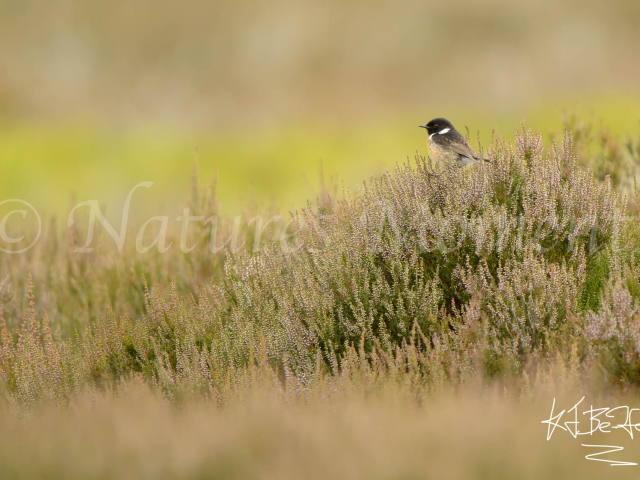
456	144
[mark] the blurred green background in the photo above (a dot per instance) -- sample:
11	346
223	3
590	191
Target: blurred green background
98	96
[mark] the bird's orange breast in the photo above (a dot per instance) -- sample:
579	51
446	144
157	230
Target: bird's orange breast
436	152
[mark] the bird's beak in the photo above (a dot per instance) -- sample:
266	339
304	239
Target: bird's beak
422	126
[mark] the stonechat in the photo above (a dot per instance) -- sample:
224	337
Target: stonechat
446	144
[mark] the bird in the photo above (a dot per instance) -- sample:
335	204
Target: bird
446	144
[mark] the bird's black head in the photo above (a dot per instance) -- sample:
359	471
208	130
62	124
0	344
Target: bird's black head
437	125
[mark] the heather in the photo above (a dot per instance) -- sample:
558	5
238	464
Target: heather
428	276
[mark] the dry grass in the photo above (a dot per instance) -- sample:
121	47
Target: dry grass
484	433
251	63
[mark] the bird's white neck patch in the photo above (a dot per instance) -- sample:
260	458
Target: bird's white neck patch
443	131
431	136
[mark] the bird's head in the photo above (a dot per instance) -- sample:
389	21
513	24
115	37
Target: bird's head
438	125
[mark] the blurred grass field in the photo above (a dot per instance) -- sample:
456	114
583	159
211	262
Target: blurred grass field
55	165
472	434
